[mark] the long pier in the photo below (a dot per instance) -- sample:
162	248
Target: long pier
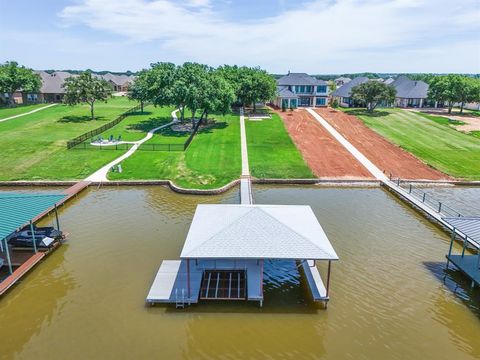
385	181
246	197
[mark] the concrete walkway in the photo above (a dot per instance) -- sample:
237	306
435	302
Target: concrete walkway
27	113
375	171
243	137
101	174
245	180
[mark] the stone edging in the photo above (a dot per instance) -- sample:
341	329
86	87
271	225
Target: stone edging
230	185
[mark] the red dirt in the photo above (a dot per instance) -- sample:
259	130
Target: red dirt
390	158
324	155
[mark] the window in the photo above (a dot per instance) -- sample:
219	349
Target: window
346	100
309	89
321	89
297	89
321	102
302	89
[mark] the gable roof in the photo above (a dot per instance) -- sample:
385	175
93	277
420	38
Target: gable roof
119	80
294	79
256	232
410	89
345	89
343	79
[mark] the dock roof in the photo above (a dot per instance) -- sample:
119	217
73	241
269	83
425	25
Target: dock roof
256	232
17	209
468	225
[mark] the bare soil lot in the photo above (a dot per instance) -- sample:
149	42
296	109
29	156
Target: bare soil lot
324	155
390	158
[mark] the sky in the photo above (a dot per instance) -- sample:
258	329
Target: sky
313	36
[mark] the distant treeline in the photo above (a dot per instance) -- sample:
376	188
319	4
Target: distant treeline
103	72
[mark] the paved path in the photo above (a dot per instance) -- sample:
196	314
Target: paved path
101	174
243	134
375	171
27	113
245	180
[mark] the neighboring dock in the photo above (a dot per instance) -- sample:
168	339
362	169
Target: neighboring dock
22	210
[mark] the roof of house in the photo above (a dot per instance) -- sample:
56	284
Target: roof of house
389	81
17	209
283	92
256	232
53	83
343	79
119	80
345	89
294	79
410	89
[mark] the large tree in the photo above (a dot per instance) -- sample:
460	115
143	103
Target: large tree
86	88
139	90
454	88
372	93
14	77
255	85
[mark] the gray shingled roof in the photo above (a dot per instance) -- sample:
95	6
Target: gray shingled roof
119	80
345	89
294	79
283	92
410	89
52	83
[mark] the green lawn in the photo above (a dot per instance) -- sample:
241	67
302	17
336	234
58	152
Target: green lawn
436	143
213	158
271	151
33	147
136	126
6	112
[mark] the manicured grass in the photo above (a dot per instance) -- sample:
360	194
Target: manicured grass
441	119
213	158
271	151
6	112
33	147
440	146
136	126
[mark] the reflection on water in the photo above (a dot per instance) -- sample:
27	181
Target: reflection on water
86	301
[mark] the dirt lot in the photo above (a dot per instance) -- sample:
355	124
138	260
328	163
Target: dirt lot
324	155
388	157
472	123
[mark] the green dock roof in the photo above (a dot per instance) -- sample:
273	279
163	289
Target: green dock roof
17	209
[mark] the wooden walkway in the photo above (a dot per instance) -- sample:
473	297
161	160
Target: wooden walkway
20	271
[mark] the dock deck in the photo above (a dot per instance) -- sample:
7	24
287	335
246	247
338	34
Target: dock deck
20	271
170	285
468	264
315	283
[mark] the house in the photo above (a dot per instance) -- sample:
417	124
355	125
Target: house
52	87
342	81
119	83
301	90
410	93
344	93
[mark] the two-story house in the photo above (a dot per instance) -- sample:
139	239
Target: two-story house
301	90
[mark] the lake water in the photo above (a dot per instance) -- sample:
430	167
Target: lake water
390	296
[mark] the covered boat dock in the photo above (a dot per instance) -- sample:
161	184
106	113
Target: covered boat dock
225	250
17	211
469	228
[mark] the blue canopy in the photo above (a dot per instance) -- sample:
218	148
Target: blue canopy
17	209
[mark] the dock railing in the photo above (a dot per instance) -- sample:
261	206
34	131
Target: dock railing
439	207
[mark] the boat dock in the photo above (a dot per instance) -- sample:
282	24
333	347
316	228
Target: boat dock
19	211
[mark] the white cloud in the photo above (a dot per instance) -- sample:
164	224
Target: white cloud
361	34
